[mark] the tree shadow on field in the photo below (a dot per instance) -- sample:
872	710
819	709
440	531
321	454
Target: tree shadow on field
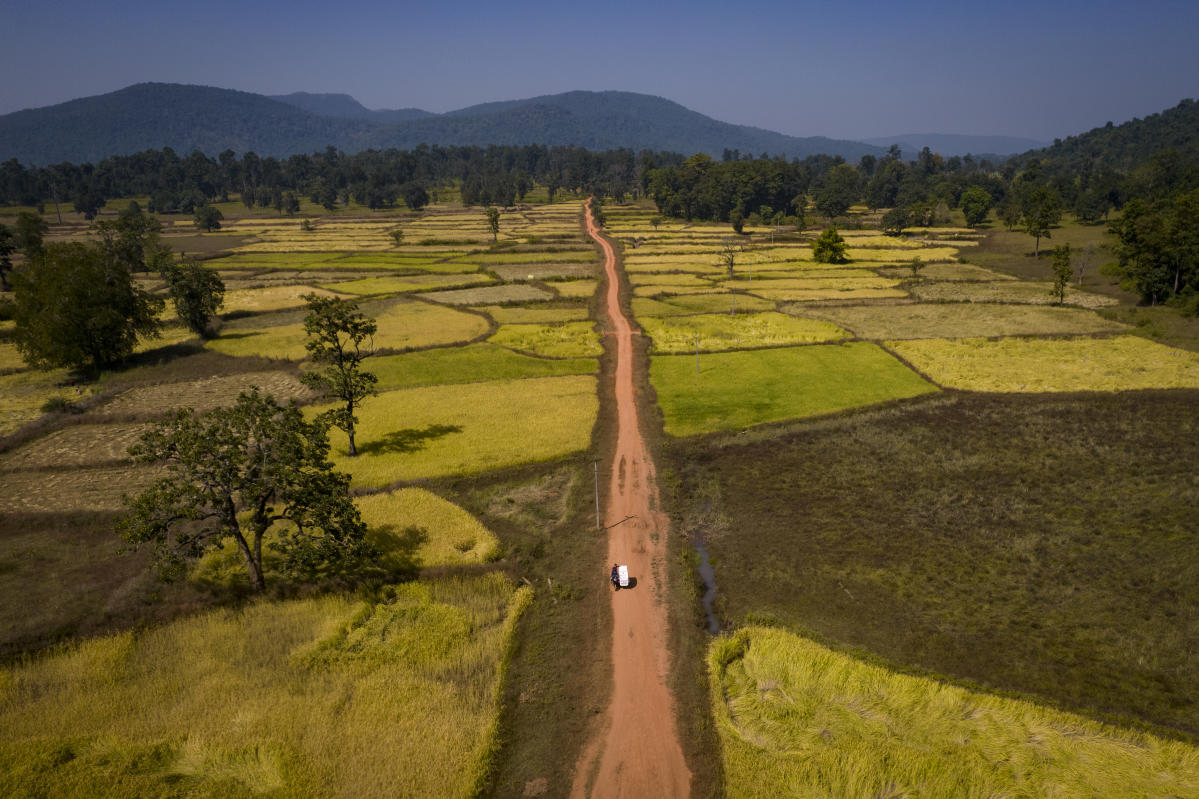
410	439
399	558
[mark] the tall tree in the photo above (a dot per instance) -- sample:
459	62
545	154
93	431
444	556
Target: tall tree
1063	272
29	233
76	305
196	292
976	204
1042	212
254	470
493	222
208	217
839	190
830	248
340	337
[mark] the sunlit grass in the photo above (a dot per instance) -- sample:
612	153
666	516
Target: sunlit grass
444	533
714	332
1070	364
317	697
566	340
798	719
468	428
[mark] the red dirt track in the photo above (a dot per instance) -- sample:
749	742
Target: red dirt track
635	752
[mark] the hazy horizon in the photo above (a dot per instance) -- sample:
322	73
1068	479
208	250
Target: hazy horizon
1031	71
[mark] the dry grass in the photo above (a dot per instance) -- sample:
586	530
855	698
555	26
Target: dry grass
69	490
957	320
1121	363
396	285
76	445
946	271
205	394
550	271
22	395
1007	291
798	719
576	289
716	332
492	294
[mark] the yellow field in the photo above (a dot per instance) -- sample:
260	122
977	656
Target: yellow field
716	332
797	719
956	320
466	429
575	289
450	535
272	298
1027	365
810	295
403	325
405	283
324	697
567	340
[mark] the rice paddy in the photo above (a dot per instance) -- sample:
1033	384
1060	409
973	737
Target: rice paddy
469	428
959	320
416	528
407	283
798	719
1007	291
566	340
715	332
516	292
736	390
314	697
477	362
1120	363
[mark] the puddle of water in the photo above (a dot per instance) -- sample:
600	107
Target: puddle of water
708	575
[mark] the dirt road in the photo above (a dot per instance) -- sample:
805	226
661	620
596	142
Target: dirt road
635	752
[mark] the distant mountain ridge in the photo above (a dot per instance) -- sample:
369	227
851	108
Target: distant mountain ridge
950	144
184	117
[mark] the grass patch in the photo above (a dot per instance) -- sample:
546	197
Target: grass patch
576	289
446	365
415	527
325	696
1041	544
1074	364
735	390
470	428
401	325
1006	291
586	256
817	294
567	340
271	298
952	320
799	719
713	332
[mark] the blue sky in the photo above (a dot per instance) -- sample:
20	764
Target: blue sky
854	70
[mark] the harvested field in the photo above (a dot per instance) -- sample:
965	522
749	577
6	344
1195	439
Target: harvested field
1121	363
679	304
492	294
959	320
395	285
715	332
516	314
66	490
836	282
1007	291
204	395
274	298
22	395
816	295
76	445
539	271
946	271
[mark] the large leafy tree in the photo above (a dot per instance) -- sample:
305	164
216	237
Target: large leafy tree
133	238
340	337
251	472
1158	247
76	305
1042	211
839	190
976	204
196	292
830	248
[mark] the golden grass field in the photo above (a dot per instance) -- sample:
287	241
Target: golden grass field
450	535
315	697
797	719
1008	291
575	289
1120	363
715	332
565	340
469	428
402	325
22	395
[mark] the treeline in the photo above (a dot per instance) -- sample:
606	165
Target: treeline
373	178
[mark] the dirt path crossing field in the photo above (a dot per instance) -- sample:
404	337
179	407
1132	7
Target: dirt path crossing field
635	752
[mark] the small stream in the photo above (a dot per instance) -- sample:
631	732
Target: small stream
709	577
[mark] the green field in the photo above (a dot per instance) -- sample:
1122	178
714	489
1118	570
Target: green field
416	528
487	361
466	429
798	719
316	697
1121	363
714	332
567	340
735	390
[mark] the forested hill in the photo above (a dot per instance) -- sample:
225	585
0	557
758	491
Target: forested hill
1125	147
155	115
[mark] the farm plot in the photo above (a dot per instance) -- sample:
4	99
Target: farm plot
540	314
22	395
954	320
796	718
715	332
542	271
273	298
679	304
734	390
408	283
819	294
446	365
1120	363
946	271
575	289
329	235
334	697
77	445
59	490
402	325
1015	291
416	528
518	292
203	395
567	340
469	428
